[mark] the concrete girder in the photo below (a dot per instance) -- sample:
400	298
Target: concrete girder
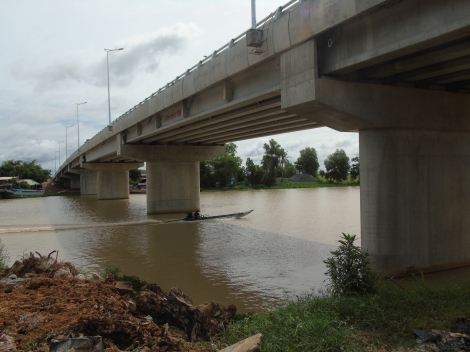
308	126
254	107
216	124
200	137
171	153
400	29
297	125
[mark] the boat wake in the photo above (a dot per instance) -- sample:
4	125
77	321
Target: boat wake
75	227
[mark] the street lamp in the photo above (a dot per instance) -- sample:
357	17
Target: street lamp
78	126
66	145
55	159
59	152
110	127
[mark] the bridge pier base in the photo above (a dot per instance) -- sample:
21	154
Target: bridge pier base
415	198
172	187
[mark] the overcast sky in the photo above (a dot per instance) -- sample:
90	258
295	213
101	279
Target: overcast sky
53	57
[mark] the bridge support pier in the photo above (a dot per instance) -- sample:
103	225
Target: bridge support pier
87	182
415	198
172	174
172	187
112	179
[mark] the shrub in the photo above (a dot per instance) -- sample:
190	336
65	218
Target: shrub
349	269
4	257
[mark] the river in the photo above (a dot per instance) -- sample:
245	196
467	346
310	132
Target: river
276	251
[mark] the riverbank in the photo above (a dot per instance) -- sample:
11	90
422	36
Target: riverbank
288	184
383	321
46	301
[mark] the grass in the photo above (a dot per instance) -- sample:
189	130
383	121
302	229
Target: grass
318	182
374	322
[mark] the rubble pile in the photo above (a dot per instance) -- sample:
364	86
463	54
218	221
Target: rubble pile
44	302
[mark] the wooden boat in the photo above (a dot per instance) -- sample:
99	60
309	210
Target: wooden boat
20	193
225	216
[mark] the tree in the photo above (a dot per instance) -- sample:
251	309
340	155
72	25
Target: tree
221	169
354	171
135	175
270	161
24	170
254	173
337	166
289	169
282	158
308	161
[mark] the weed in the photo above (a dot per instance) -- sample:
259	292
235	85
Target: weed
349	269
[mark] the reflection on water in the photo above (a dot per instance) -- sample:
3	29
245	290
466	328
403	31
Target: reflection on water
277	250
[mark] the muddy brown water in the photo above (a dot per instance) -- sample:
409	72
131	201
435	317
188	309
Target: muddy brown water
276	251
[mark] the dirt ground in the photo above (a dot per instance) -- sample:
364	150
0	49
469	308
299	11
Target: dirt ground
42	300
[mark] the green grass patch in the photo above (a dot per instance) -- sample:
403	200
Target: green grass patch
318	182
358	323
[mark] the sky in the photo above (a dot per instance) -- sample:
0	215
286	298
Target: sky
52	57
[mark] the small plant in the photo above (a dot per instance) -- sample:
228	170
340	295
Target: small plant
349	269
4	257
137	283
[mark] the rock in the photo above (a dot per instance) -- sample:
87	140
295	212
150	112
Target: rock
177	309
426	335
251	344
93	276
124	288
82	344
63	273
80	277
7	343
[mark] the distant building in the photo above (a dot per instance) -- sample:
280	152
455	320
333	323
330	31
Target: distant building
7	179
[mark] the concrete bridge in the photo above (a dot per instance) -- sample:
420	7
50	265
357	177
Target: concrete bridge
395	71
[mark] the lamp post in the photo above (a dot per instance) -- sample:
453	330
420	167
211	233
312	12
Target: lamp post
55	163
78	126
110	128
59	152
66	145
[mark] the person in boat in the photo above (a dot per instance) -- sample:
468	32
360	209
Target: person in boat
197	215
189	216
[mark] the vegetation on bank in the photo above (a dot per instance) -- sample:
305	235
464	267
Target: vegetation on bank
371	322
317	182
360	311
228	170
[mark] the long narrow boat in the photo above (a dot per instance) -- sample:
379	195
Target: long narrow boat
20	193
225	216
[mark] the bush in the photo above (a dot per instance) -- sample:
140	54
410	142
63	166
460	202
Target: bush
4	257
137	283
349	269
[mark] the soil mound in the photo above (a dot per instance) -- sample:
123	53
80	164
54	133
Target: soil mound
45	301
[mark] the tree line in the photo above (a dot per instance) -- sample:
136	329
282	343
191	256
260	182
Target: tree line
228	169
24	170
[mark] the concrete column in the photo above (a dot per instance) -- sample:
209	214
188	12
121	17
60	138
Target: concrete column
415	198
112	179
172	187
172	174
87	182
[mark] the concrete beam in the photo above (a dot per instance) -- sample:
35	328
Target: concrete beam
171	152
111	166
402	28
